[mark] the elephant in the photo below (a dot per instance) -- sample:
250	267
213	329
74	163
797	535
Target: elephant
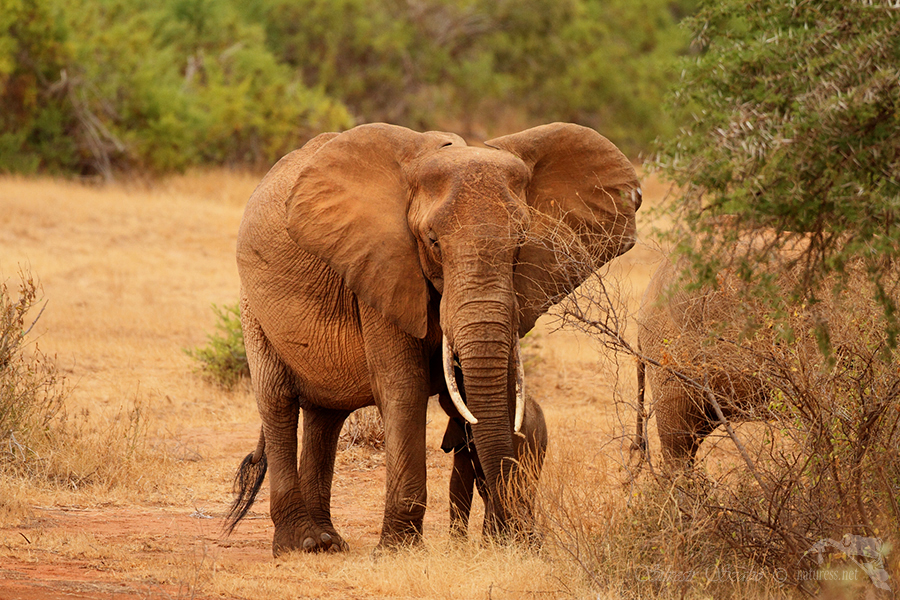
530	448
370	260
693	371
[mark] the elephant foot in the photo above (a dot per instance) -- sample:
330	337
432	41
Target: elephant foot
307	539
338	544
399	539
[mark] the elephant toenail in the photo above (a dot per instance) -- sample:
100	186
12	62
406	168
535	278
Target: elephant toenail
325	538
308	544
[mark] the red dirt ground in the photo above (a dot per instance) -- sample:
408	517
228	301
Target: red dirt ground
148	533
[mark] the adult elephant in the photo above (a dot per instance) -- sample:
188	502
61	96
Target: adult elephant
698	375
370	260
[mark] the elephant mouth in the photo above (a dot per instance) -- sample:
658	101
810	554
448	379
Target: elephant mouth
457	399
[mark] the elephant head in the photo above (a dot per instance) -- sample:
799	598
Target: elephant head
414	222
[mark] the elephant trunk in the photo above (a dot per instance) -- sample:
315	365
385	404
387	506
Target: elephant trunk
483	342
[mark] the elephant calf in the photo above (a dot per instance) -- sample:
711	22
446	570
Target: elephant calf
530	447
688	369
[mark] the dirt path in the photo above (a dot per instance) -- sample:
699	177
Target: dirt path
94	571
126	552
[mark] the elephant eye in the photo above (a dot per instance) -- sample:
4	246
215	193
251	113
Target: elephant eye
431	236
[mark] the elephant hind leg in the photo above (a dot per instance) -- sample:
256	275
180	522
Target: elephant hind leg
683	426
462	483
278	401
457	440
321	430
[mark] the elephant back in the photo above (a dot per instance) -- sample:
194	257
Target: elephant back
692	332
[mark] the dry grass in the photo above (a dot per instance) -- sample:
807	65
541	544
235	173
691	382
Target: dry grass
363	428
130	273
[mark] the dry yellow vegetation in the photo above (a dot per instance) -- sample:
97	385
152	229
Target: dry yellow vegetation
135	509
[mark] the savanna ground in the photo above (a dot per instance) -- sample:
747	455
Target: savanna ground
129	273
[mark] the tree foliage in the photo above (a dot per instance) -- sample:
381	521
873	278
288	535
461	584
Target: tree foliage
104	84
793	142
32	54
98	86
423	63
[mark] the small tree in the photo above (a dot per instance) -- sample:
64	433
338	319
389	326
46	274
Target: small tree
793	136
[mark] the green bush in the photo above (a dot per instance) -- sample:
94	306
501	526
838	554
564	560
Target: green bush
224	358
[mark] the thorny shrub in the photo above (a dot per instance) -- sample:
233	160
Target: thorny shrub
815	481
793	125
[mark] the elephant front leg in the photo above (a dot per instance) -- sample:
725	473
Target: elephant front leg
406	492
400	383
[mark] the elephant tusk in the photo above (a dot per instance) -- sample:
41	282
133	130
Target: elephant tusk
520	388
450	378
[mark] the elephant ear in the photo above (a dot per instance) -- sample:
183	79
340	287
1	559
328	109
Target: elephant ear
349	208
583	195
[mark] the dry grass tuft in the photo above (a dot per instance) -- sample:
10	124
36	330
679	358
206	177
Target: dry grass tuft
437	570
363	428
41	443
31	390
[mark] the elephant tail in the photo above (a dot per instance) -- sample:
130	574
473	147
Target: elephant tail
639	444
247	483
